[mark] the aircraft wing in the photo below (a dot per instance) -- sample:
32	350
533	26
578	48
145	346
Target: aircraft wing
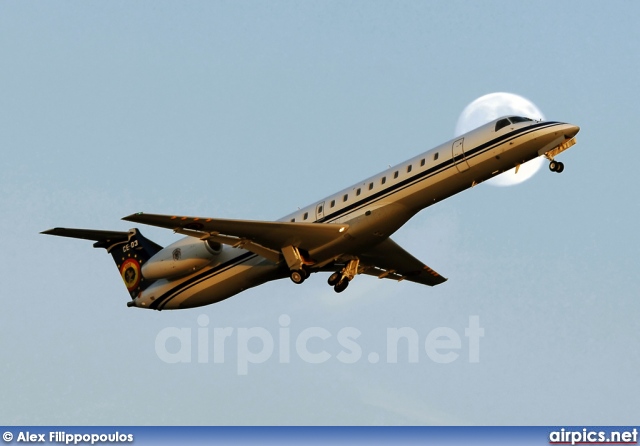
264	238
389	260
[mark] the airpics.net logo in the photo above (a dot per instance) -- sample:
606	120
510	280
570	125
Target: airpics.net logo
250	346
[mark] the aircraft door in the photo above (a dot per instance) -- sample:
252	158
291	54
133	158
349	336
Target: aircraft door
458	155
319	210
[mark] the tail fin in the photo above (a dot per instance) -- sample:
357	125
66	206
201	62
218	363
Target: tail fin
130	250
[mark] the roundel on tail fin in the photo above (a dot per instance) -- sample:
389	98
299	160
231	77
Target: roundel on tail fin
130	272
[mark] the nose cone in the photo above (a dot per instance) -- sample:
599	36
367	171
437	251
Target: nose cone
571	131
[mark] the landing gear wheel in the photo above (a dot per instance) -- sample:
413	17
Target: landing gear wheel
560	167
298	276
342	285
553	166
334	278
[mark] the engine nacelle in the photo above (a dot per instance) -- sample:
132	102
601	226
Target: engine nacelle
181	258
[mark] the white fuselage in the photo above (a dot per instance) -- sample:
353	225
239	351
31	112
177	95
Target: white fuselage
374	208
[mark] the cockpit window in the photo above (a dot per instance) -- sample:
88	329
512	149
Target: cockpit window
502	124
516	119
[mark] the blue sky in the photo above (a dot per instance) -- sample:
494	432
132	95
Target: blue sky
251	109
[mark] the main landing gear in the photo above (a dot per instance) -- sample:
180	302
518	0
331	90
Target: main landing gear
299	269
556	166
340	279
298	265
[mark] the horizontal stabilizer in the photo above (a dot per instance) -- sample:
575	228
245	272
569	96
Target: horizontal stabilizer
102	239
89	234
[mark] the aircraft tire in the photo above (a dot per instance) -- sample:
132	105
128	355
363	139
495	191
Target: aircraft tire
298	276
334	278
341	286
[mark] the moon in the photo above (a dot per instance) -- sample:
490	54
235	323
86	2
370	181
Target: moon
492	106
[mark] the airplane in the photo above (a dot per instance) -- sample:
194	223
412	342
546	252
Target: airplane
345	234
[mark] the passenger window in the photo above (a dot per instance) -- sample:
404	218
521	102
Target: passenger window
358	192
293	220
333	203
435	156
384	180
395	174
409	168
370	186
346	197
306	215
502	124
422	163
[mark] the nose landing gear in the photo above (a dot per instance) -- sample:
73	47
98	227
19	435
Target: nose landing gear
556	166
